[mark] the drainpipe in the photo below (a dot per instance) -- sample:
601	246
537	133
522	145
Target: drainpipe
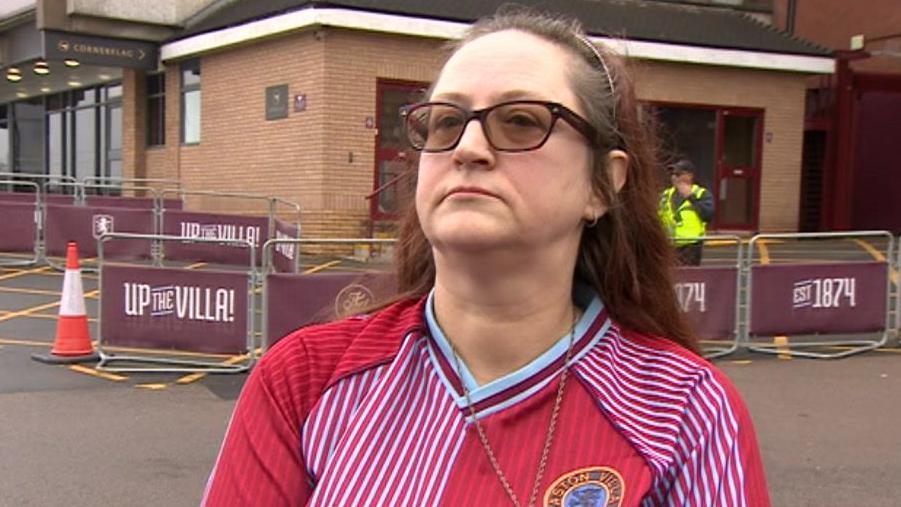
790	16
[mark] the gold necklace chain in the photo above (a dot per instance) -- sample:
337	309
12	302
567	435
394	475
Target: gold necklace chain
552	426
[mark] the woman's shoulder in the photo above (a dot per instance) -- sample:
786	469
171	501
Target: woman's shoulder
672	366
321	352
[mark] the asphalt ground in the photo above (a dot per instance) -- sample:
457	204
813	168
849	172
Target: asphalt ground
74	436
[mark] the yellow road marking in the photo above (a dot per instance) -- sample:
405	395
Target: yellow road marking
36	292
94	373
29	311
740	361
194	377
196	265
25	343
17	274
781	343
321	267
876	255
764	252
152	387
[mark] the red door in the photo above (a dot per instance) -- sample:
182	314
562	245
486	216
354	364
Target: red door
394	160
739	133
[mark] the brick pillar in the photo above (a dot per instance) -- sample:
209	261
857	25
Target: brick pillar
134	124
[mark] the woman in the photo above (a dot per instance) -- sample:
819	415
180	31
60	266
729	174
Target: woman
537	356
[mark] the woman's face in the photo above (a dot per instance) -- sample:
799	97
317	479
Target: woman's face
476	198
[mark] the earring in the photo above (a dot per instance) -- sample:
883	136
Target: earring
592	223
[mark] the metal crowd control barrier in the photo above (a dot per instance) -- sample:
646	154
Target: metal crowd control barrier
894	279
85	220
255	229
42	180
21	213
294	300
154	308
709	297
819	298
143	182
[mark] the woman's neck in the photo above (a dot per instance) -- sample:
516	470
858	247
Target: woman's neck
500	320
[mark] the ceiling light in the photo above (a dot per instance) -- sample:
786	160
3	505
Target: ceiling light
70	62
13	75
74	84
104	76
22	95
41	68
45	89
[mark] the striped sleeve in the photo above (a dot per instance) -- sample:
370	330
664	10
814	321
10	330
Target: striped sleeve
716	461
260	461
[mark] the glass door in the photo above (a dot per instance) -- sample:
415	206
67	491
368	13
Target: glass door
738	168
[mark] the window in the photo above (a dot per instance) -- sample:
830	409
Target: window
83	132
156	109
5	154
190	102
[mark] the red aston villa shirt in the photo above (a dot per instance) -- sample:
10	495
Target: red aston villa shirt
370	411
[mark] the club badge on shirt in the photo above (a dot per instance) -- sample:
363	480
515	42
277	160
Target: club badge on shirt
586	487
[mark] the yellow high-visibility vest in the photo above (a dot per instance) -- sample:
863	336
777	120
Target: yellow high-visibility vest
682	222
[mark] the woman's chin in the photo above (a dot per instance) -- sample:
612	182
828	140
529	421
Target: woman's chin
471	237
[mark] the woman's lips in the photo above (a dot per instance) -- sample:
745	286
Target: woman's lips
470	191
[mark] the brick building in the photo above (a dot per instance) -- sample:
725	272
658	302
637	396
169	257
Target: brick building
299	99
851	161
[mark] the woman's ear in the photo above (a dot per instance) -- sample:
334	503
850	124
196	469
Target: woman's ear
617	166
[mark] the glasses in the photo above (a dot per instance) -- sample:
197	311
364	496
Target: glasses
519	125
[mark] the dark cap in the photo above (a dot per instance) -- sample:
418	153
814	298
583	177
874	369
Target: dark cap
681	166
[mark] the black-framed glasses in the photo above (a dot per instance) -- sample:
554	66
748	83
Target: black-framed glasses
518	125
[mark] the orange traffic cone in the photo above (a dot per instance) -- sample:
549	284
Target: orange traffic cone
73	338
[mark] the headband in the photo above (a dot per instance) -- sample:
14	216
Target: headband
597	54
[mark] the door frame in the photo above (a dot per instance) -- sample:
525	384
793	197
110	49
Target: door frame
380	86
722	171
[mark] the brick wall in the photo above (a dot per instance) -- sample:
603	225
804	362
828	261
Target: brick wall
323	158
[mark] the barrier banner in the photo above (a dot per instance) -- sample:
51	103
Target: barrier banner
207	225
707	297
167	308
284	256
18	197
818	298
18	230
294	301
59	199
84	225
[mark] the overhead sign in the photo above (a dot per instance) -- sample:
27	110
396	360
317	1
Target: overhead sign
100	50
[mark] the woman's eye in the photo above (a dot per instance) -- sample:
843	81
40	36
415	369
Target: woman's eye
447	121
522	120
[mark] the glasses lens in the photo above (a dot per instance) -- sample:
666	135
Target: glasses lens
434	127
518	126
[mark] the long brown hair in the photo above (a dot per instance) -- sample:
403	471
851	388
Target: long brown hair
626	256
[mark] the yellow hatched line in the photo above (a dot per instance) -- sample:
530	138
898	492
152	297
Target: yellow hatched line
99	374
36	292
879	256
196	265
17	274
764	252
781	343
321	267
29	311
194	377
